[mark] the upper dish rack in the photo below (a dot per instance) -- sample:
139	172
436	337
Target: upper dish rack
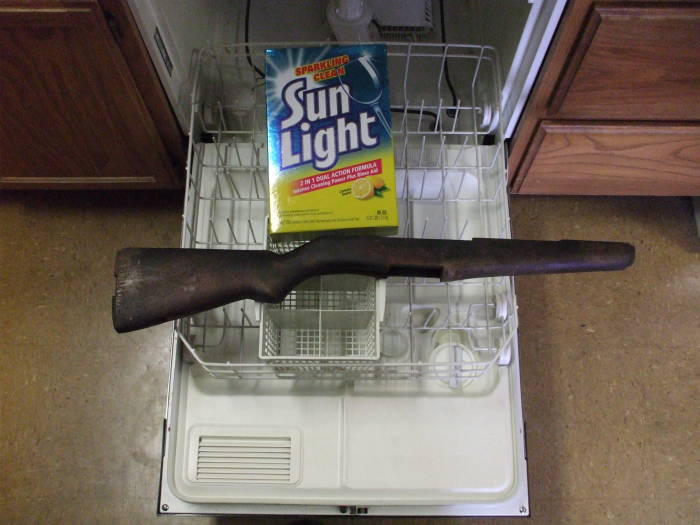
450	177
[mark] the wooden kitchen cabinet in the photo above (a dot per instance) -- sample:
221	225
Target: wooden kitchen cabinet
615	159
616	109
72	114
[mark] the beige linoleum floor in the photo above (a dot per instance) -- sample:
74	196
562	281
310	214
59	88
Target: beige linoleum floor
610	365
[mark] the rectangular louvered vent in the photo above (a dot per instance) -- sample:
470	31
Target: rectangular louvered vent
244	459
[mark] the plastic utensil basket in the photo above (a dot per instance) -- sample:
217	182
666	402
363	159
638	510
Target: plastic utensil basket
325	319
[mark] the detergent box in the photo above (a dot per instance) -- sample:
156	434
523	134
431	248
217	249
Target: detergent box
331	159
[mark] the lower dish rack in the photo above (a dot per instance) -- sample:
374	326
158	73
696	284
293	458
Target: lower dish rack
450	174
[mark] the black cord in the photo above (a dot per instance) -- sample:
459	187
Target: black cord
247	50
450	112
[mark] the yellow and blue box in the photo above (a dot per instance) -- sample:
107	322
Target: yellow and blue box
330	152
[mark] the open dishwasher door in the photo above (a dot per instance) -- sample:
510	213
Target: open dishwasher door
397	397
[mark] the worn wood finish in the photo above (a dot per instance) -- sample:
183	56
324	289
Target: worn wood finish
155	285
640	63
71	114
575	158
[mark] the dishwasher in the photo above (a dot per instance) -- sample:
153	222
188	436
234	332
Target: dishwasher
354	395
404	399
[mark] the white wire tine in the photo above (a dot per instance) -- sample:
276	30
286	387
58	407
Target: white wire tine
486	317
213	231
442	67
400	182
232	183
256	151
220	162
404	117
258	181
449	307
464	228
241	331
456	115
461	183
230	227
495	157
497	190
477	69
438	119
443	174
405	76
227	318
252	231
404	153
421	152
217	189
422	184
237	150
253	164
420	115
462	149
258	164
255	184
245	316
425	227
204	330
405	166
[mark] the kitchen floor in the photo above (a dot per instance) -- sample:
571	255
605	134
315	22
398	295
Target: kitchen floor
610	365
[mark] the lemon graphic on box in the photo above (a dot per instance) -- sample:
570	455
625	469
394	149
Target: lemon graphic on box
367	187
362	188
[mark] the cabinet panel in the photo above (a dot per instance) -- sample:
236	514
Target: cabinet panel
638	62
578	158
71	114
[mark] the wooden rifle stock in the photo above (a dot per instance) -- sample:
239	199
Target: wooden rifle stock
155	285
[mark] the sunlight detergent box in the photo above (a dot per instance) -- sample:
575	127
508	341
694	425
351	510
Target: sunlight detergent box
331	159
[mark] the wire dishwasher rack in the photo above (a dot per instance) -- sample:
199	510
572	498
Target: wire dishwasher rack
450	176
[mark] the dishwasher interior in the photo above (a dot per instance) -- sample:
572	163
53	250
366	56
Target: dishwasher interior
354	395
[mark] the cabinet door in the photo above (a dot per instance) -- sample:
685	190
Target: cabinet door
637	62
70	112
578	158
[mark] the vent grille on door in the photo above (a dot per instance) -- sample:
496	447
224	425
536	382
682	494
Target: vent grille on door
244	459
